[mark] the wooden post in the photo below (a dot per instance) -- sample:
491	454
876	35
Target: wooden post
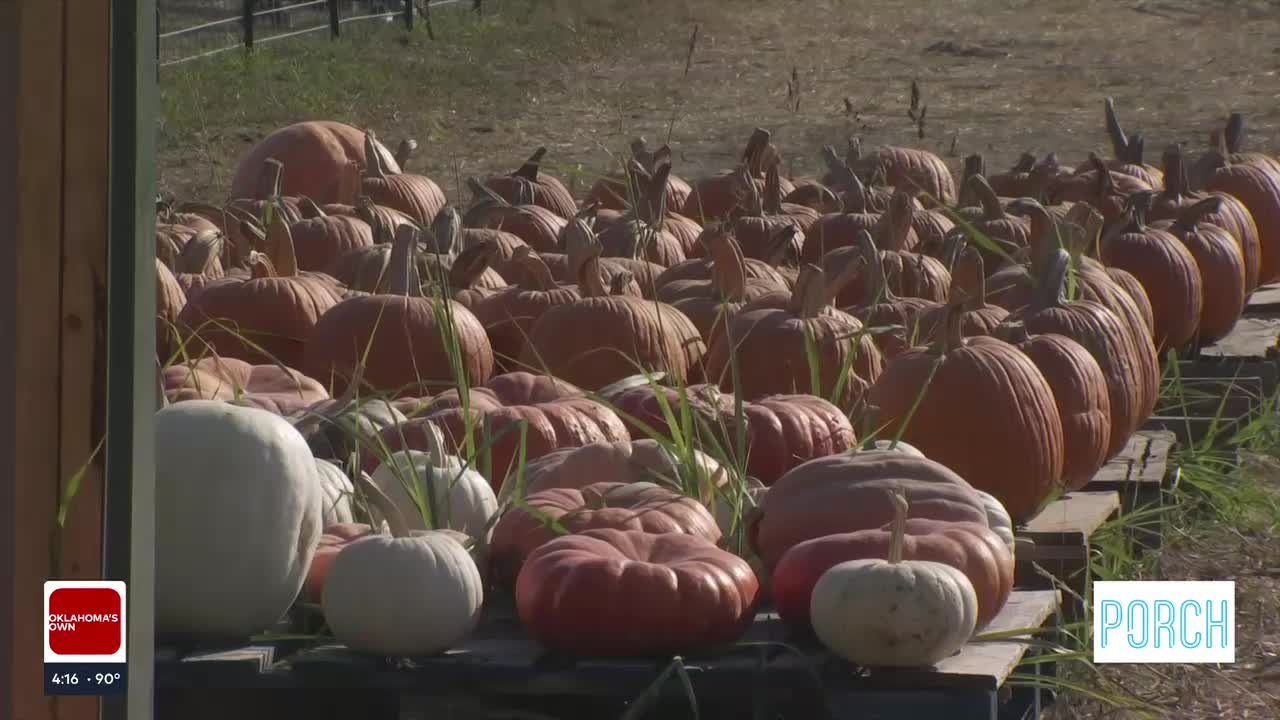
246	22
62	147
478	6
335	27
408	14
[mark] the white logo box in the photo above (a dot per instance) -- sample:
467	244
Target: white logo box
119	655
1164	622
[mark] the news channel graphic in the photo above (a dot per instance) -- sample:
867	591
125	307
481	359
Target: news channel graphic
84	637
1164	622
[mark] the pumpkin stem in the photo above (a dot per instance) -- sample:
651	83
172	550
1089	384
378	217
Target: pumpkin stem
808	297
1175	173
899	526
749	193
1106	186
729	271
973	165
1084	230
395	520
254	237
1043	238
654	199
446	232
260	266
640	153
981	190
1026	163
529	170
1052	291
621	282
280	246
753	154
894	227
537	276
308	209
771	203
471	263
1233	132
837	168
969	280
784	250
403	264
1119	145
372	157
483	194
270	179
200	252
1192	215
405	151
368	211
349	183
584	257
852	151
952	336
878	290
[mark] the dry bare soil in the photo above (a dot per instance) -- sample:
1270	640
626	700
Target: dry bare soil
999	77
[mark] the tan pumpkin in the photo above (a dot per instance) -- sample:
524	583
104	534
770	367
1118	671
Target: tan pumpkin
269	387
417	196
1221	266
710	303
537	226
764	214
314	154
529	185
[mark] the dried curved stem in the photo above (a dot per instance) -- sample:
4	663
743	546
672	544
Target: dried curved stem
894	227
269	180
584	251
898	530
403	265
446	232
1192	215
1119	144
308	209
537	276
471	264
986	196
404	152
372	157
729	271
529	170
260	266
200	252
878	288
395	519
280	245
809	296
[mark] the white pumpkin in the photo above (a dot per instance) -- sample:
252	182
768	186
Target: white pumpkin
408	593
461	498
998	518
238	517
895	612
732	507
337	490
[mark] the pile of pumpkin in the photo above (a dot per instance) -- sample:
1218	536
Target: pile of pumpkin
637	413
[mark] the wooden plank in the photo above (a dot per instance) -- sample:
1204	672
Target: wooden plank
1264	301
9	659
84	302
1252	339
1071	519
37	291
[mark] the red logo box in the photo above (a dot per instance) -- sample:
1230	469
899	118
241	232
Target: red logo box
85	621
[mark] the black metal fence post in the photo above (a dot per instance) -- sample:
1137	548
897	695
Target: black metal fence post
334	25
478	6
247	22
408	14
157	43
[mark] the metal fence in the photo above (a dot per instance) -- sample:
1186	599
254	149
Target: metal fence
188	30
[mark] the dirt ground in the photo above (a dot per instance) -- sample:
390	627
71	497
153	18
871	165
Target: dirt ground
998	77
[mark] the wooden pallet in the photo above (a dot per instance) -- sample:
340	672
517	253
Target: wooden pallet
502	663
1143	476
1264	302
1213	408
1253	338
1059	541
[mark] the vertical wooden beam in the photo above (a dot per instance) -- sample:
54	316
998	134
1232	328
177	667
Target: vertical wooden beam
37	293
8	326
129	552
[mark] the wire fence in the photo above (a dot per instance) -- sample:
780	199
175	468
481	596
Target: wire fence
189	30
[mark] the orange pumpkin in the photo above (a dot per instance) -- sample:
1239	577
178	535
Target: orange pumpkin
314	154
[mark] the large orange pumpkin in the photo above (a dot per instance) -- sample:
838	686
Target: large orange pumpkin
314	154
982	409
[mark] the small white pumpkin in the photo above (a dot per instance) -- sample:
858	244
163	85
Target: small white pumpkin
337	490
238	517
437	476
998	518
895	612
409	593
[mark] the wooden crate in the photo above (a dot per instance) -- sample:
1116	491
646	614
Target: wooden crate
1209	407
502	665
1060	543
1143	476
